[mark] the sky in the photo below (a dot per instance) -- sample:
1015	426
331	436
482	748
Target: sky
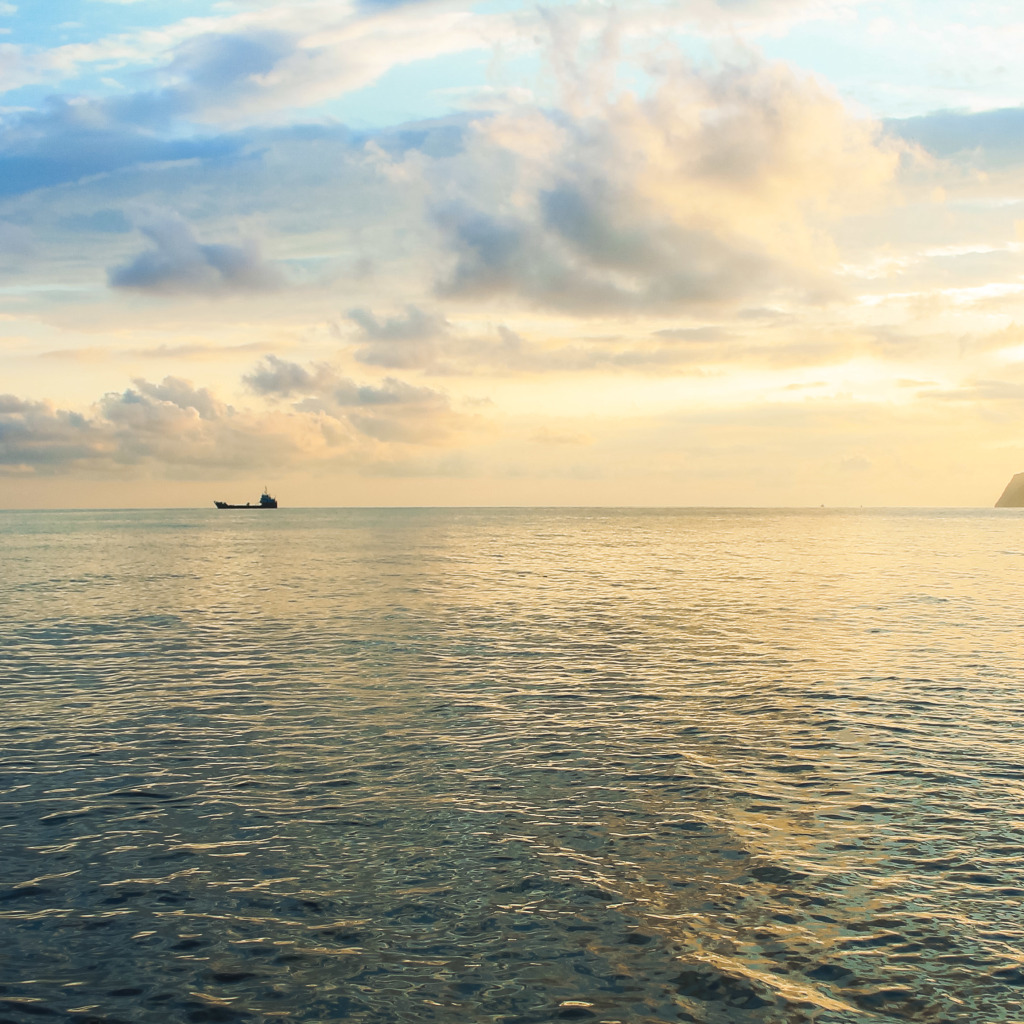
677	252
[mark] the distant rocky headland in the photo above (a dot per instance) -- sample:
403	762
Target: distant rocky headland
1013	495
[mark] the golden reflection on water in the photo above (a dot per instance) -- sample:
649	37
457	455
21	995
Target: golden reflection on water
512	765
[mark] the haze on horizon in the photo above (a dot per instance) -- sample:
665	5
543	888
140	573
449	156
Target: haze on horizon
684	252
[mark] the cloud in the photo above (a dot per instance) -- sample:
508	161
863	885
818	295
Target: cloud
411	339
373	6
992	136
249	63
754	339
719	188
34	436
105	222
693	334
431	343
214	71
246	68
225	62
179	264
194	351
391	410
414	325
282	379
67	142
174	426
15	240
310	194
418	339
984	392
244	64
173	392
776	8
577	257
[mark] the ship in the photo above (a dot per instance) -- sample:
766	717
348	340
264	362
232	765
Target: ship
266	501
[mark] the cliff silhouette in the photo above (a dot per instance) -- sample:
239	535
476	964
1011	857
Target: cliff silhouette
1013	495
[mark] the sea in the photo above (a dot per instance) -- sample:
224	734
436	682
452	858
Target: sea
512	766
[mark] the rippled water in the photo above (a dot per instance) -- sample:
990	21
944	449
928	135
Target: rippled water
511	766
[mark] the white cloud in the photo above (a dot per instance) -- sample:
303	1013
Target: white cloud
242	67
720	187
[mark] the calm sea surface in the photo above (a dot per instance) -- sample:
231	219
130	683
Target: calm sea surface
512	766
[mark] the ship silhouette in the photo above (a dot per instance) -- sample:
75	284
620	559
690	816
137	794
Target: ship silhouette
266	501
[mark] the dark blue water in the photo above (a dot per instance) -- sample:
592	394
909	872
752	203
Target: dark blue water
511	766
